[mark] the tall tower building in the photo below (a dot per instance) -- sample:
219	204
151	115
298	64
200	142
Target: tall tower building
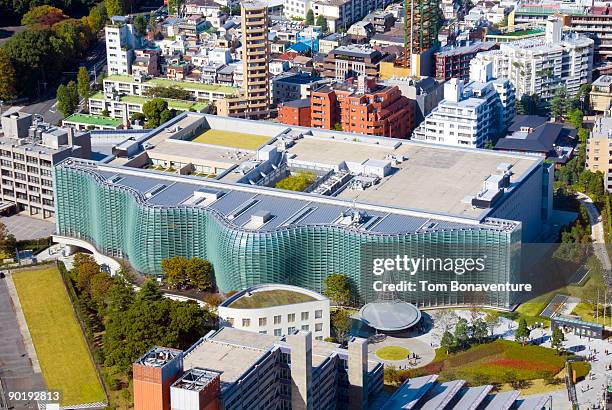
421	26
255	52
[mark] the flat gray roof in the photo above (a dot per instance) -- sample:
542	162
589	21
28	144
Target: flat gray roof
390	316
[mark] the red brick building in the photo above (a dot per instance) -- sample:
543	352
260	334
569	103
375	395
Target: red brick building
296	112
364	107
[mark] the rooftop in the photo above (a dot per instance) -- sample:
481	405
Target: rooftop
93	120
163	82
269	298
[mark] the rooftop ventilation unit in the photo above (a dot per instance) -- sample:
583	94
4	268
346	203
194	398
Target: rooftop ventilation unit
155	190
114	179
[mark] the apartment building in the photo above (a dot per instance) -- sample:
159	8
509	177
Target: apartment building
362	106
352	61
470	114
255	52
600	96
592	20
296	112
294	86
341	14
542	65
454	62
120	44
296	8
28	152
599	149
234	369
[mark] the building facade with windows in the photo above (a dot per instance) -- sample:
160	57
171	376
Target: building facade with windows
599	149
120	44
277	310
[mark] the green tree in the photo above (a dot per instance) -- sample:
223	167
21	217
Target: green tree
575	117
168	92
557	339
156	111
448	342
478	329
199	273
174	269
140	25
462	332
341	324
84	268
114	8
337	287
99	288
149	291
583	135
83	84
492	320
8	77
522	332
120	297
309	18
95	19
558	104
322	22
43	15
489	144
67	98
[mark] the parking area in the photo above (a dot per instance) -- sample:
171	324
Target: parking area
25	227
16	370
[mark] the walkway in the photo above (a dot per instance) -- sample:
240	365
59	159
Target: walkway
597	234
419	347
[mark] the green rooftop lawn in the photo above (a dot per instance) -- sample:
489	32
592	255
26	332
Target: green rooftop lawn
522	33
495	362
392	353
231	139
93	120
59	343
269	298
164	82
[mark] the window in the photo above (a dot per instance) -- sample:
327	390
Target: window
263	332
318	327
263	321
277	332
305	315
291	317
246	322
305	327
277	320
318	314
291	330
230	320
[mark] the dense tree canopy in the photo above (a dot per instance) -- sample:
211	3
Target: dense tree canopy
337	287
156	111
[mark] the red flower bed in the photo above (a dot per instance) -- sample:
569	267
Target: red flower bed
521	364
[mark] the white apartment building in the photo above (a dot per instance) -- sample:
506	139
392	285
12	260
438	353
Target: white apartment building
120	44
277	310
343	13
470	114
296	8
541	65
599	149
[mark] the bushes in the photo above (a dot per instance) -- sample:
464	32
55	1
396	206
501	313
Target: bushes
297	182
581	368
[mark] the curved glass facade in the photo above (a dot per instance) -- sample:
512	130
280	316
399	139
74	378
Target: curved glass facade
119	222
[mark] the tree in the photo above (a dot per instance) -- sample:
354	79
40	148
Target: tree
114	8
492	320
583	135
8	77
95	19
341	324
156	111
489	144
83	84
99	288
522	332
448	342
574	117
174	269
120	296
338	288
149	291
462	332
140	25
309	18
337	126
322	22
67	98
558	104
479	329
557	339
199	273
43	15
84	268
168	92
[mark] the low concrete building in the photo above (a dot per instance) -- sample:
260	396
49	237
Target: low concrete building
601	94
277	310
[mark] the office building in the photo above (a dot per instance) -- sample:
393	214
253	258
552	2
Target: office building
542	65
219	203
362	106
472	113
599	143
454	62
28	151
255	52
233	369
294	86
600	96
277	310
120	44
352	61
341	14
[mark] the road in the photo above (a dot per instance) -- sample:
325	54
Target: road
47	106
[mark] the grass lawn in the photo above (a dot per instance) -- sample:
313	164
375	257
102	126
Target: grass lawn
269	298
498	362
60	345
585	311
392	353
231	139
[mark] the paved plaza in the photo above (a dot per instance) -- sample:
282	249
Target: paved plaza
26	227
